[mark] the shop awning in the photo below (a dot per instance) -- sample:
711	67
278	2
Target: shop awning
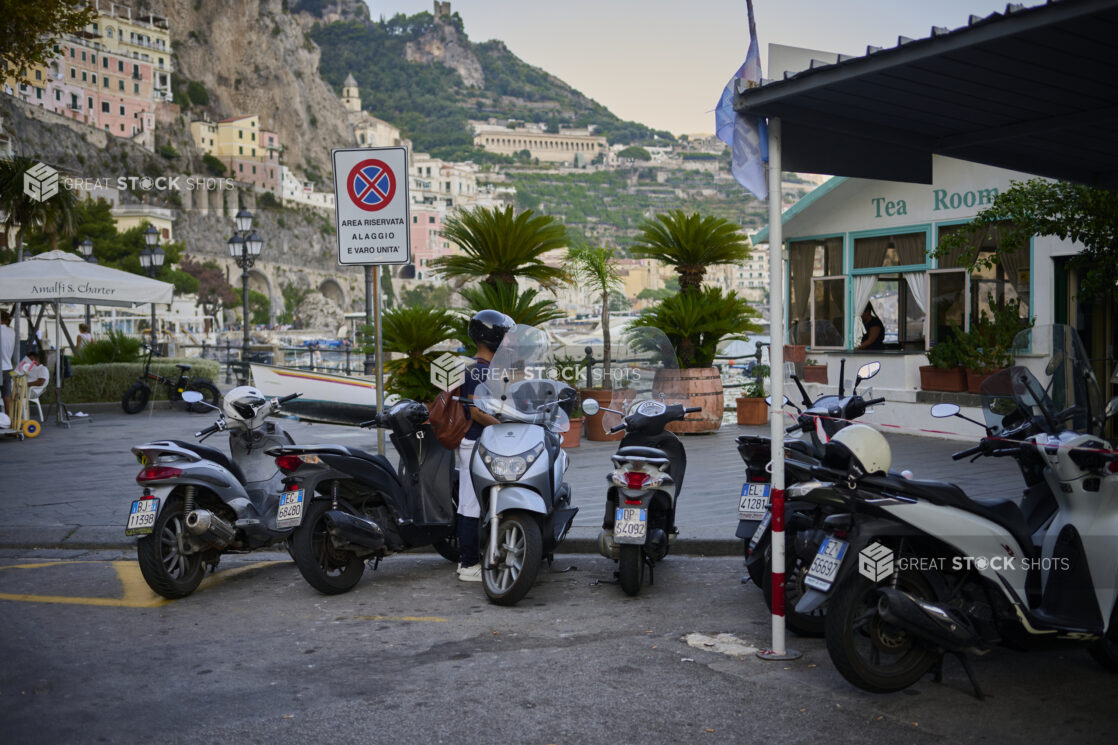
1031	89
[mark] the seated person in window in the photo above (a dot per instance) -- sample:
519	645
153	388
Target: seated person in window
874	338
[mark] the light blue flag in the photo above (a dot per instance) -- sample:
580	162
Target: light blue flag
747	136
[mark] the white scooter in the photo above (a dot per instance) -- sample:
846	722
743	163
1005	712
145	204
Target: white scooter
923	570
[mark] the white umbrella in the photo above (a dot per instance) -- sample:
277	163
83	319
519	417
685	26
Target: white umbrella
58	277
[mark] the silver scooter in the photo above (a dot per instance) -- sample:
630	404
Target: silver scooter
517	466
199	503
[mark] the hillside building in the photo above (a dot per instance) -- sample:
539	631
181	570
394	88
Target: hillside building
250	153
111	75
572	146
368	131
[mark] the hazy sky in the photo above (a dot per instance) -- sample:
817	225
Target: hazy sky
664	62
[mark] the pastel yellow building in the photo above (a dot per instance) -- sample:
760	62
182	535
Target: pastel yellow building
128	216
250	153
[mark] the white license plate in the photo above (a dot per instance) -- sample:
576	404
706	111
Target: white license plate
826	565
290	511
754	501
141	518
760	532
630	525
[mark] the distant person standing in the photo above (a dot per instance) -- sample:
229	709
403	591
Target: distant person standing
7	349
84	336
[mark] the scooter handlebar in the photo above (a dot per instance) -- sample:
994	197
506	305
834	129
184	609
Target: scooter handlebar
208	430
287	398
873	401
692	409
618	428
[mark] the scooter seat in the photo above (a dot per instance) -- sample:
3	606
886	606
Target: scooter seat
638	451
213	454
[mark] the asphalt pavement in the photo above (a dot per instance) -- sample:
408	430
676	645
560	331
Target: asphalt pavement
71	487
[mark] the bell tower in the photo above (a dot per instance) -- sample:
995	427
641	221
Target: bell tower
351	98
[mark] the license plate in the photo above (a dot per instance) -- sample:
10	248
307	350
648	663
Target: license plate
141	518
290	511
630	525
826	565
754	501
760	532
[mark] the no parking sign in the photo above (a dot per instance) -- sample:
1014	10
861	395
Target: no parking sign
371	205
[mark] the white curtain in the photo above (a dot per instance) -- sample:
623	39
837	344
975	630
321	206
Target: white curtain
863	288
918	289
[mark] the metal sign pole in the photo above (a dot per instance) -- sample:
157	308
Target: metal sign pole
370	362
380	357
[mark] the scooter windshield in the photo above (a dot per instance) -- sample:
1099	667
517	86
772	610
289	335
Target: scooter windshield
644	370
522	383
1051	379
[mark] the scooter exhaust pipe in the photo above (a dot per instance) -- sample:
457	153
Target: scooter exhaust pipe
210	528
943	626
347	529
607	547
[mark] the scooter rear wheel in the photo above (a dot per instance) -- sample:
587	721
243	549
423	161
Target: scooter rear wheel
519	553
165	568
327	569
631	569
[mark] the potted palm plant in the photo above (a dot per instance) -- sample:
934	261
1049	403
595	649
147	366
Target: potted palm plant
411	332
696	319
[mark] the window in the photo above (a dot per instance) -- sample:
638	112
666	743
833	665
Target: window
431	219
71	53
85	77
57	95
122	114
105	62
105	81
121	84
240	150
109	31
38	74
104	107
120	65
253	136
898	297
83	56
89	103
959	296
817	300
240	134
135	87
93	78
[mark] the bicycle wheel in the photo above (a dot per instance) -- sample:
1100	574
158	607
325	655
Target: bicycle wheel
210	395
136	398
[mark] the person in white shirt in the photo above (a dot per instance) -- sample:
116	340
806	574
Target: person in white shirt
7	349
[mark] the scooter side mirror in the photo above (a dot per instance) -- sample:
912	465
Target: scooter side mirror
868	370
590	407
191	397
942	411
1111	408
769	401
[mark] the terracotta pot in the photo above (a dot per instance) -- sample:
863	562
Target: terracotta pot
795	353
595	432
975	378
952	380
696	386
573	436
752	411
815	374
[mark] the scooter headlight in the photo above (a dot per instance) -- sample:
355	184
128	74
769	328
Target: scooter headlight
509	467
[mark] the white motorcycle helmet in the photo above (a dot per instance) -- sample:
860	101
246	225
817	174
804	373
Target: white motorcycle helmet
860	450
242	404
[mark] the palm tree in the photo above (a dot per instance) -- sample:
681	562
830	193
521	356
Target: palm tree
696	322
595	266
521	306
54	216
411	332
691	243
498	246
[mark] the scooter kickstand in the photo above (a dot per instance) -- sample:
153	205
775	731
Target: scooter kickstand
970	674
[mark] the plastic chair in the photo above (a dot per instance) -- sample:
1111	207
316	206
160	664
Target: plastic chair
33	397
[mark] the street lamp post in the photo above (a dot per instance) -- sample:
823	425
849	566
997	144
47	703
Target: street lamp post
244	247
151	258
86	249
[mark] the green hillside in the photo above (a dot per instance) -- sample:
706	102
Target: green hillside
432	107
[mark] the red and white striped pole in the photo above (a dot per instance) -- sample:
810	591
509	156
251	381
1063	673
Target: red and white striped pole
779	650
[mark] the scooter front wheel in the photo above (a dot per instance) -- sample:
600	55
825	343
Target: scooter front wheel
631	569
327	569
518	555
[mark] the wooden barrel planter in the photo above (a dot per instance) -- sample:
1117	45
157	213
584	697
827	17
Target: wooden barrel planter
699	386
753	411
573	436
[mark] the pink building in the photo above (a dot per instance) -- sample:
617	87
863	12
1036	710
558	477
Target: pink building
427	242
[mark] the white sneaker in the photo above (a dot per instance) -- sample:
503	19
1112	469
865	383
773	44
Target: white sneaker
470	574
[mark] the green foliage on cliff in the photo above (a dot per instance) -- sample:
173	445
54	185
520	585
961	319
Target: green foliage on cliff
432	105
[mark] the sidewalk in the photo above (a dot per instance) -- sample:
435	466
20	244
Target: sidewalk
71	488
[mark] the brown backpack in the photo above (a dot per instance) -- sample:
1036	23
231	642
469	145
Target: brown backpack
448	419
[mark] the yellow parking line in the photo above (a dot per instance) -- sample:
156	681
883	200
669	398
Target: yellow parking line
136	593
418	619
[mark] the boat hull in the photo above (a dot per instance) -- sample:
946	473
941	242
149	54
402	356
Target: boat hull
326	398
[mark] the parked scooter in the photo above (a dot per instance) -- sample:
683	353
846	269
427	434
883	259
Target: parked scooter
518	465
639	526
804	510
939	573
360	508
198	503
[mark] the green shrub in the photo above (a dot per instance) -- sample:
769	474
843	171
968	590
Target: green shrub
108	381
116	346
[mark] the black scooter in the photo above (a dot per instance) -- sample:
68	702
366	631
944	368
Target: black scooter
639	524
362	508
